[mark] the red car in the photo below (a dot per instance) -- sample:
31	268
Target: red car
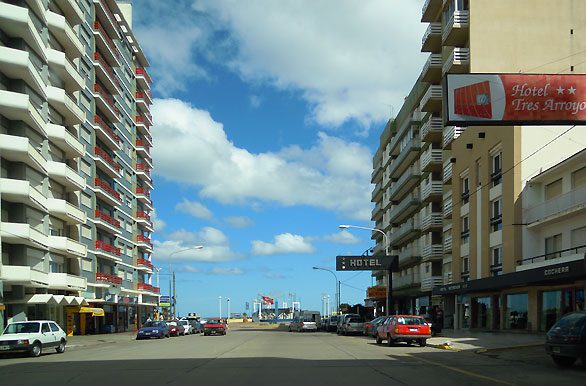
214	327
175	329
405	328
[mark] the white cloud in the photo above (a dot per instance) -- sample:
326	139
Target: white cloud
282	244
239	221
194	208
342	237
158	224
176	248
333	174
255	101
226	271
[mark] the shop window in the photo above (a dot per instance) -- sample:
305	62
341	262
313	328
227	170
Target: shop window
553	190
496	219
551	309
516	311
553	246
481	312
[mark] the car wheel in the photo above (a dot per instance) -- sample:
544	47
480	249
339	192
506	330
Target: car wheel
378	340
409	342
422	342
61	348
389	341
563	361
36	349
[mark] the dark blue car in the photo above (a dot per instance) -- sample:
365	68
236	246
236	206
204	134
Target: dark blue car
153	330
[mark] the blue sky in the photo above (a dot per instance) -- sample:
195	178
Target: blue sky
267	115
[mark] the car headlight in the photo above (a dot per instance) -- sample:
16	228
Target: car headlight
156	331
22	341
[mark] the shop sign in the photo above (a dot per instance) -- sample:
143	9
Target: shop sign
366	263
376	292
556	271
528	99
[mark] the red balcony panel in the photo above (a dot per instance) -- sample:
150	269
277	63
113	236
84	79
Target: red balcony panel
143	72
108	278
100	122
143	143
98	27
144	262
106	157
110	220
143	191
141	119
144	239
108	68
108	98
107	248
144	215
98	182
145	95
143	168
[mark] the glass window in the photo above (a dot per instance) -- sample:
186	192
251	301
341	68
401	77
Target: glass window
579	178
553	190
465	234
553	245
496	220
465	190
578	237
45	328
497	260
481	312
54	327
551	309
516	311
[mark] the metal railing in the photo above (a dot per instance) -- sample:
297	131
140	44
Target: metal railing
553	255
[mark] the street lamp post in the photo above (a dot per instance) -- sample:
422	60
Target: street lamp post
172	273
389	276
220	303
228	301
337	287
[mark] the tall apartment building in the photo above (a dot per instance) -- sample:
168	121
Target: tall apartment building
75	166
423	168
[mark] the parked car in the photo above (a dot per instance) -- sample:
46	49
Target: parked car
406	328
32	337
332	323
341	320
566	339
214	327
353	325
302	324
175	329
153	329
324	324
187	326
196	326
370	327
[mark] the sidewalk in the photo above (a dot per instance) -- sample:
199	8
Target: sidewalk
484	341
93	340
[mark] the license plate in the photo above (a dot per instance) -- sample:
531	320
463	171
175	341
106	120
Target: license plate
147	333
556	350
4	348
413	329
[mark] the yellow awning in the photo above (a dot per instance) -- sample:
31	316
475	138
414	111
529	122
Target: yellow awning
92	310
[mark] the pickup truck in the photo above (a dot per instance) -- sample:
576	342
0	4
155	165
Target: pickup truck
214	327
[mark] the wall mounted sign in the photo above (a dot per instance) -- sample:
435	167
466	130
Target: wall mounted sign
366	263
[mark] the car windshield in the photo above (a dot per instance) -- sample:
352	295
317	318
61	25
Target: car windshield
410	321
22	328
570	324
183	322
214	321
334	319
356	320
153	324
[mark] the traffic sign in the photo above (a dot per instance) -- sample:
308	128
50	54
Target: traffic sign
164	301
367	263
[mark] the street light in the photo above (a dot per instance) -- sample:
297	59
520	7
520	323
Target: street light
220	303
386	239
172	293
228	301
337	287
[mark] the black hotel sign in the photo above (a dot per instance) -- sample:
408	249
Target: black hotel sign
366	263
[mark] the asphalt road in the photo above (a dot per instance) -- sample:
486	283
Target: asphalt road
251	357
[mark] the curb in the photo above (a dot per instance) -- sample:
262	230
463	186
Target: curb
487	350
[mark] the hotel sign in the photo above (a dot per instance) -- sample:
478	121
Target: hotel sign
366	263
497	99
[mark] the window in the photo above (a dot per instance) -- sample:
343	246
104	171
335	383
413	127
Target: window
465	234
553	190
516	312
578	237
45	328
85	167
579	178
465	182
497	261
54	327
496	220
86	200
465	268
86	232
86	265
553	245
497	168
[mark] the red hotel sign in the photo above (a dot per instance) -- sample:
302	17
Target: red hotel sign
491	99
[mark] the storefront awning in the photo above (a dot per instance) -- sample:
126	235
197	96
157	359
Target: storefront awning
93	310
41	299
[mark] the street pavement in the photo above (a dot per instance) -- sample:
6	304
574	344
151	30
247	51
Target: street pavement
259	357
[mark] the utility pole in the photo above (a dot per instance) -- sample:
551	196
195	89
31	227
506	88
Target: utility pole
174	297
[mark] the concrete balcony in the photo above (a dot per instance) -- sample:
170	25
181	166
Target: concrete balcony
144	241
405	159
110	279
20	191
66	211
105	162
408	180
142	125
447	172
431	191
106	133
406	232
447	278
432	99
431	160
432	38
143	171
431	10
19	233
66	70
23	275
105	103
143	194
376	175
458	62
107	251
432	129
17	22
377	212
71	10
106	17
404	209
409	255
67	282
147	288
432	70
432	252
562	256
570	204
447	243
144	264
431	221
447	204
106	192
456	31
106	222
19	107
67	38
429	283
406	281
19	149
66	176
61	137
65	105
18	64
143	79
143	101
67	246
105	74
377	192
144	219
105	45
450	134
143	148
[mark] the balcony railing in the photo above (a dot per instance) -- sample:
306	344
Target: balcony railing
141	71
451	133
108	278
433	127
143	168
143	215
142	143
561	204
581	249
429	283
432	251
107	67
104	126
107	248
448	169
144	262
144	239
98	182
108	11
106	157
107	218
108	98
142	191
98	27
147	287
458	61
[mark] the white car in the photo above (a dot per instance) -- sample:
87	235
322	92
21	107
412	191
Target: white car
32	337
187	326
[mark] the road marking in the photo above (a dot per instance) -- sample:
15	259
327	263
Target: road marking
465	372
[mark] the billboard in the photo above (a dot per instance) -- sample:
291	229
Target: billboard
528	99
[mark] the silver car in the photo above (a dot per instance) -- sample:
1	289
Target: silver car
353	325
